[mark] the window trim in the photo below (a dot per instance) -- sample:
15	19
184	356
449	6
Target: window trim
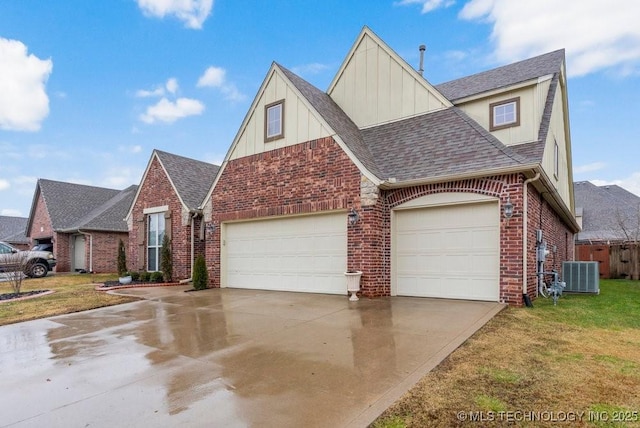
158	247
493	106
280	135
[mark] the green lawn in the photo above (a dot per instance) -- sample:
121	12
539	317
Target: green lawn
574	364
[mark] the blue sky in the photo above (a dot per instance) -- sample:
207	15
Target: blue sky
89	88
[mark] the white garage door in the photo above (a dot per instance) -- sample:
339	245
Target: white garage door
448	251
306	254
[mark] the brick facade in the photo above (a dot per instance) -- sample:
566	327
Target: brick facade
104	246
318	176
156	191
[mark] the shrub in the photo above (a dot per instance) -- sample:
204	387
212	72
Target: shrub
200	275
156	276
122	259
166	264
145	276
135	276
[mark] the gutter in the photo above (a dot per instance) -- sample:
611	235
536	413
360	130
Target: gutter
391	183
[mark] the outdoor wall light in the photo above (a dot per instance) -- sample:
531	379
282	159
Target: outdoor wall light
353	216
211	227
508	208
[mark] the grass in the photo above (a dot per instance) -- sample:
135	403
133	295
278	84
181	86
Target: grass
579	360
73	293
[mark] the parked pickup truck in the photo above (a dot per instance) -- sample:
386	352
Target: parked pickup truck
35	264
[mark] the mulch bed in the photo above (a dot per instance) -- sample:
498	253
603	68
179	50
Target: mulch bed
23	295
115	285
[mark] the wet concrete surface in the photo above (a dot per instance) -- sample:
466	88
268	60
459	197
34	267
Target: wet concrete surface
228	358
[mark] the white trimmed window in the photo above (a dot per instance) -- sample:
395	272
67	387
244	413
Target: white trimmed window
155	234
504	114
274	121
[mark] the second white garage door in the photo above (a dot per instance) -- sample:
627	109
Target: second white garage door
307	254
448	251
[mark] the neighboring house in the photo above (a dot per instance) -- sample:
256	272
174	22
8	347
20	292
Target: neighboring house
609	217
169	200
428	171
12	231
84	224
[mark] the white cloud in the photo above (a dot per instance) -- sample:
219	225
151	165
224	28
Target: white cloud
631	183
4	184
24	103
595	166
192	13
215	77
169	111
170	86
427	5
309	69
597	35
11	212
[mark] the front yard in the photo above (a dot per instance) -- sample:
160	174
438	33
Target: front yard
73	293
576	364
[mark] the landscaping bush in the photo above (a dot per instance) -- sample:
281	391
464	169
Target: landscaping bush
135	276
200	274
166	264
156	277
122	259
145	276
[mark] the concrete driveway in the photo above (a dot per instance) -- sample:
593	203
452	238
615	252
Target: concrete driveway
232	358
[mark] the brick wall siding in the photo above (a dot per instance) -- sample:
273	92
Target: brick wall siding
105	251
318	176
554	231
309	177
155	191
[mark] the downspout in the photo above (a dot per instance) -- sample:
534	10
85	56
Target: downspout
525	227
194	214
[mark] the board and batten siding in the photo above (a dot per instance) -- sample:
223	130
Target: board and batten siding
376	87
557	135
300	123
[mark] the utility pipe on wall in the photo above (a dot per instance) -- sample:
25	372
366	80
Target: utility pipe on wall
525	226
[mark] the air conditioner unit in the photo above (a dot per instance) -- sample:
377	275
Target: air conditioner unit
581	277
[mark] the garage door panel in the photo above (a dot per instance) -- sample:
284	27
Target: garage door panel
290	254
447	251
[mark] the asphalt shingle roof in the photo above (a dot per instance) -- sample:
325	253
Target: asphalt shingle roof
68	203
12	229
500	77
607	211
436	144
442	143
110	216
192	178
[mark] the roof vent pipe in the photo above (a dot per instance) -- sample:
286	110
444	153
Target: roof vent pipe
422	48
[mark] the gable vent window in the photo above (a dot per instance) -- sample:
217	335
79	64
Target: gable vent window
504	114
274	121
